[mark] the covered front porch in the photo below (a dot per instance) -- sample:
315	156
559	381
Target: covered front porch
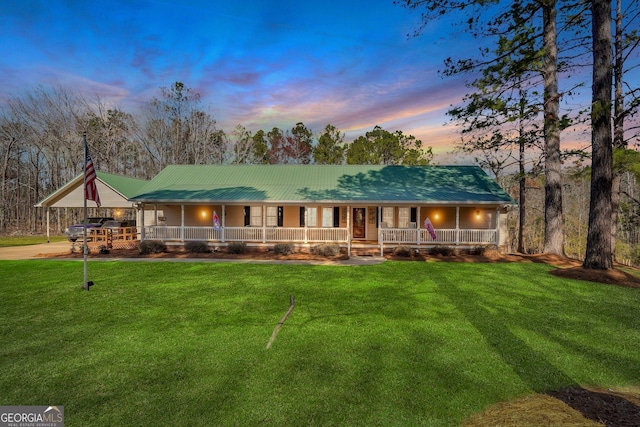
380	226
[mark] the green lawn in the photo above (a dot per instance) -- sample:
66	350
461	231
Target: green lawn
400	343
7	241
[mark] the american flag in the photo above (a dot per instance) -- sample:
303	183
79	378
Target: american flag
429	226
216	221
90	189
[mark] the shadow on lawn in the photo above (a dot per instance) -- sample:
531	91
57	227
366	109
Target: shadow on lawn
535	371
529	364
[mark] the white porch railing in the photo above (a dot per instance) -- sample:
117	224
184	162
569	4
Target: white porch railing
246	234
443	236
410	236
479	236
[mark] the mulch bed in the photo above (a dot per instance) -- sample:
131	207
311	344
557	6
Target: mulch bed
182	254
603	406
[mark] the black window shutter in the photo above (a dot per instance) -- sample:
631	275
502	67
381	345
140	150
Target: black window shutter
302	210
280	216
414	214
247	215
336	216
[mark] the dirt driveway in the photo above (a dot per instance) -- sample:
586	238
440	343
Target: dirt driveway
33	251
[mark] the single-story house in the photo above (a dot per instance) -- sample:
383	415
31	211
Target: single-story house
353	206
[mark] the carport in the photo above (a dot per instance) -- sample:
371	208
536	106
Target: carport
114	190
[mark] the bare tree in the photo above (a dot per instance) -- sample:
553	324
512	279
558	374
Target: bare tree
242	144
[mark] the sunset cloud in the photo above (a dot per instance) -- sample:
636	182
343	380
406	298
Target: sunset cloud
260	64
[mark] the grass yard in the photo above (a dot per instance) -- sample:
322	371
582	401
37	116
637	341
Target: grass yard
7	241
399	343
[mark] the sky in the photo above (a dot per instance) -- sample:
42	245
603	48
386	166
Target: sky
258	63
262	64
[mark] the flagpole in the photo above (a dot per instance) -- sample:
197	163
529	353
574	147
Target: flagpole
84	230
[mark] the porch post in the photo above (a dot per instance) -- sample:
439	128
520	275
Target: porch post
224	214
348	230
182	223
418	225
306	220
142	230
457	225
264	223
497	242
47	208
380	238
155	215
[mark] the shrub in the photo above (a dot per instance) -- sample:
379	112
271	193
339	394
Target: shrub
490	251
237	247
283	249
327	249
404	251
197	247
443	250
476	250
151	247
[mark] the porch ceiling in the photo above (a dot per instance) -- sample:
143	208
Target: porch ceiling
322	184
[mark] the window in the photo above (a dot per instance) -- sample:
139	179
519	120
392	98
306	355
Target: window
312	217
327	217
272	216
256	216
388	216
404	215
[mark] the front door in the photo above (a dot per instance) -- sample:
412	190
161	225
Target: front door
358	223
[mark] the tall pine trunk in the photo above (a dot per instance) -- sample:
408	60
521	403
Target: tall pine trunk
599	254
553	224
522	177
618	124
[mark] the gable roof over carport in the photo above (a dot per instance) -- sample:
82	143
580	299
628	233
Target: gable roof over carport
114	190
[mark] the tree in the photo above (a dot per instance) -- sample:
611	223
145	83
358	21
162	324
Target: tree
599	254
626	40
498	118
300	144
381	147
260	147
276	142
175	130
8	155
242	146
553	231
46	124
111	133
512	30
291	147
330	147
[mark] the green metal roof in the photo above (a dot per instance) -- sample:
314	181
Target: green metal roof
124	185
322	184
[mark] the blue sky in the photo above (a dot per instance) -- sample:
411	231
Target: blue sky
256	63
